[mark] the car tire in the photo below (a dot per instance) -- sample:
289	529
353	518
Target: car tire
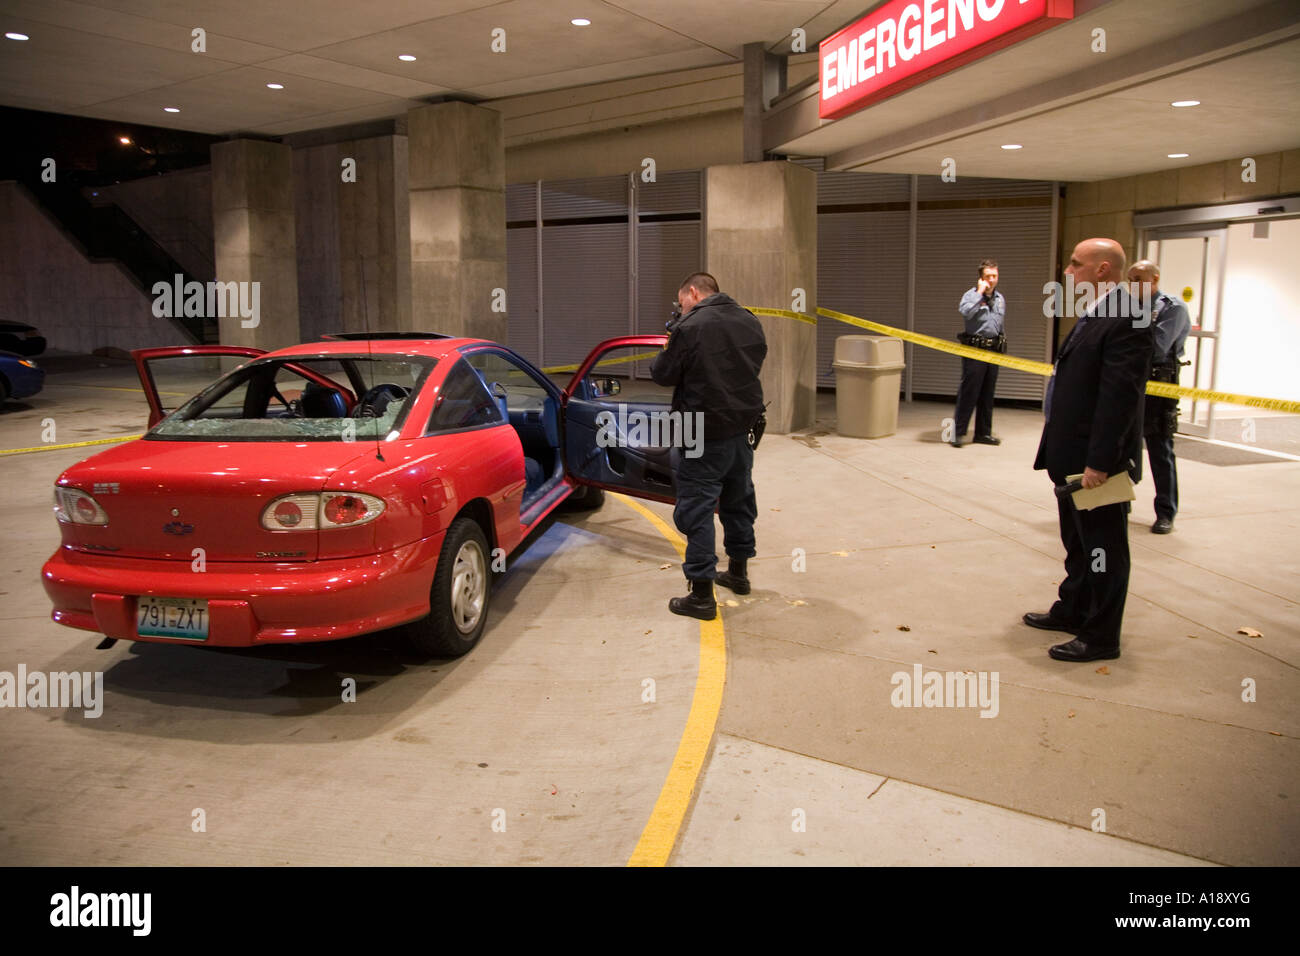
460	595
586	498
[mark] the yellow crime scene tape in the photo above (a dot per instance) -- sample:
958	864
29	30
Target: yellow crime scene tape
1160	389
74	444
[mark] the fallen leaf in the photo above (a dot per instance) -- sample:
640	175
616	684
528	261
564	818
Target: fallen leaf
1193	636
652	629
797	603
1070	714
1275	733
773	509
903	627
1103	669
932	652
1249	632
664	567
842	554
730	603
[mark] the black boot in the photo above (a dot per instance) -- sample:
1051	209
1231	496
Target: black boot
699	603
734	578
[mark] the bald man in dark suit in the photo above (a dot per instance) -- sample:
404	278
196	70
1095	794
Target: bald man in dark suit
1094	427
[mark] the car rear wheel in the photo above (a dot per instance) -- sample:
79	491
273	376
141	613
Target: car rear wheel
461	593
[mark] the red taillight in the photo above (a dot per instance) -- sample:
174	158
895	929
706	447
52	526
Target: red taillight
287	514
307	511
86	511
344	509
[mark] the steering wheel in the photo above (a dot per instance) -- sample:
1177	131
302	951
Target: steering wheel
375	401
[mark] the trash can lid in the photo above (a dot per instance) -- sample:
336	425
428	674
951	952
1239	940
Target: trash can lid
868	350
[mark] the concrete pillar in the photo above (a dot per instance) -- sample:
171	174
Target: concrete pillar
456	161
374	236
762	247
253	239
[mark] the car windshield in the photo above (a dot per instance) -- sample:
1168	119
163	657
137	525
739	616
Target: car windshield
307	398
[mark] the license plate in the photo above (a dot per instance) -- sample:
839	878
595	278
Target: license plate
184	618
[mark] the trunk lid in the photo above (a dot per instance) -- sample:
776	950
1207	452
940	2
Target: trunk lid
166	498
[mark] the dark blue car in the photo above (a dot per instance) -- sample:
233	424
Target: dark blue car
19	377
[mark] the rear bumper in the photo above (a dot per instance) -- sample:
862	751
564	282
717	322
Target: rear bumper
248	604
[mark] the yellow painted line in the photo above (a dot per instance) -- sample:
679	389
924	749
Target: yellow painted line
113	388
660	833
73	444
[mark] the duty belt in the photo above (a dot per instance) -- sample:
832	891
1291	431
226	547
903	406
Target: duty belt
995	342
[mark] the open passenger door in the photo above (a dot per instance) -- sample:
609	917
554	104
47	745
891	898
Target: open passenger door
184	370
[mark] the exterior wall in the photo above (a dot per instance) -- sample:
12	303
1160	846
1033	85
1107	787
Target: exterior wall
78	305
1106	207
175	209
695	142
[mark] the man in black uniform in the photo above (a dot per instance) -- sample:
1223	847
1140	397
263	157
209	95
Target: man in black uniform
1094	426
712	360
1171	324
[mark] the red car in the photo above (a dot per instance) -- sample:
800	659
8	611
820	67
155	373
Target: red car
340	487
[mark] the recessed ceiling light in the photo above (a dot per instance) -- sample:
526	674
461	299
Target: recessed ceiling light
17	36
1012	146
275	86
405	56
124	140
1181	103
171	109
1179	155
580	22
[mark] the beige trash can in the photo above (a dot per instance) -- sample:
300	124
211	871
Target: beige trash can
868	374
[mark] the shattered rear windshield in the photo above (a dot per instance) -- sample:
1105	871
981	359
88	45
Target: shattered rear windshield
320	398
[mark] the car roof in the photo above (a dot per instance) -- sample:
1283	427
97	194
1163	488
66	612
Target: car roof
430	348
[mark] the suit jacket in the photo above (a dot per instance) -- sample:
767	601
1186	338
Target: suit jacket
1097	399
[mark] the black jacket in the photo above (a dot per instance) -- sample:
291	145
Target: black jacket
712	360
1096	409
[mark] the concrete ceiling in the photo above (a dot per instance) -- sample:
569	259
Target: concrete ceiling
337	59
1082	115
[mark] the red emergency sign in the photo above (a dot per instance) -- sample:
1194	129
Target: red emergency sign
906	42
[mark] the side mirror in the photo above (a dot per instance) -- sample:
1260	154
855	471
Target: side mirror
605	387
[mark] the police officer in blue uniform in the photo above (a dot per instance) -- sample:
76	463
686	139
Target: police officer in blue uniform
984	310
1170	326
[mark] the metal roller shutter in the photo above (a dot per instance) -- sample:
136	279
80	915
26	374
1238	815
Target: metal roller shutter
585	198
667	252
521	292
670	193
838	189
861	270
950	243
585	265
585	273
